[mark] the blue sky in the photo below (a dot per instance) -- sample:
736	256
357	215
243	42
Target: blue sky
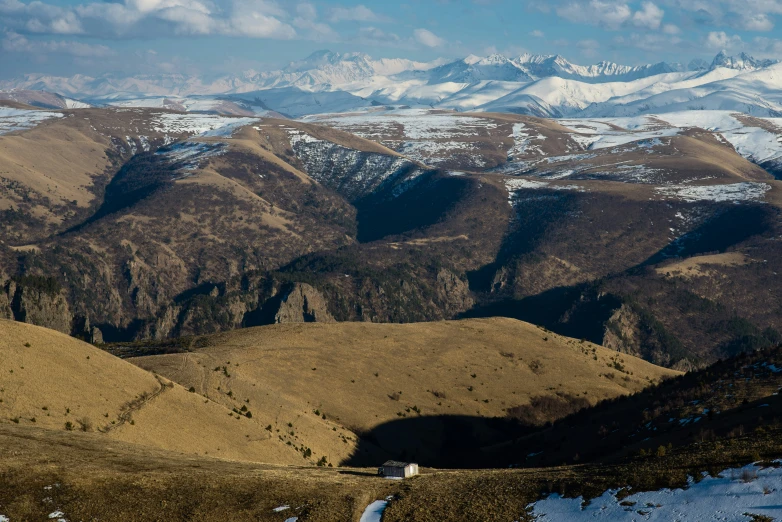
228	36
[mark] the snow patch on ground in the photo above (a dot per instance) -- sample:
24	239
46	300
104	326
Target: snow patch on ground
756	144
352	172
374	512
281	508
188	155
734	192
4	518
522	142
436	152
202	124
730	497
417	124
518	184
514	184
20	119
227	129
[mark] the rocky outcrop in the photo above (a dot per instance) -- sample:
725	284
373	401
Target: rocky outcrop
7	292
301	303
42	306
82	329
453	292
621	331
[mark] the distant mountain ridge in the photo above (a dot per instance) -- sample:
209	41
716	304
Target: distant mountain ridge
542	85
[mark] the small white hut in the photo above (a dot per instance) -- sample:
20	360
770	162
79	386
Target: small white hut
396	469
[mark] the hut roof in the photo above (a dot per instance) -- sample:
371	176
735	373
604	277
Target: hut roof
395	464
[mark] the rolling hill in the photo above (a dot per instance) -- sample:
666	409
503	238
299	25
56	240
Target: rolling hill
190	224
301	394
50	472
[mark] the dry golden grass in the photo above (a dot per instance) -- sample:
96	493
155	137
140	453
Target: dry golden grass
356	377
58	380
698	265
58	159
362	375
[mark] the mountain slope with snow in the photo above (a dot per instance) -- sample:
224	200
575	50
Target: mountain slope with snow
540	85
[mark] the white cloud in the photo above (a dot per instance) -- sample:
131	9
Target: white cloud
428	38
719	40
140	18
756	22
605	13
588	47
359	13
307	11
650	16
16	43
671	29
537	34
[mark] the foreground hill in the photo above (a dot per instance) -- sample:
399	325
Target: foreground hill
74	475
355	392
303	394
56	382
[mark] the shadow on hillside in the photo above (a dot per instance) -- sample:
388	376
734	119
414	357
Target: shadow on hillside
735	224
581	311
139	178
525	232
387	213
572	311
442	441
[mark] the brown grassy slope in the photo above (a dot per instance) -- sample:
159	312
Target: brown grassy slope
60	383
89	478
360	376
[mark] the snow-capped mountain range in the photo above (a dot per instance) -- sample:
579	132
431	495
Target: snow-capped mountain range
542	85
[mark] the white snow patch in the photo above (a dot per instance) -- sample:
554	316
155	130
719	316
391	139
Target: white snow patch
202	124
227	129
726	497
522	142
190	154
735	192
292	519
58	515
4	518
281	508
374	512
21	119
518	184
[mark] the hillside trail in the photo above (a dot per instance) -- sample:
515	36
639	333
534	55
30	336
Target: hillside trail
127	411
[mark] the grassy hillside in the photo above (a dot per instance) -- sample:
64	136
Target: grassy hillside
356	392
56	382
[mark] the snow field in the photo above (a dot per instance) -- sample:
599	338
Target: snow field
732	496
20	119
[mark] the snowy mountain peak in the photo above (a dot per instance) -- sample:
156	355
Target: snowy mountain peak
741	62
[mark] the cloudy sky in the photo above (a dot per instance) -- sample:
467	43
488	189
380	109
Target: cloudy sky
227	36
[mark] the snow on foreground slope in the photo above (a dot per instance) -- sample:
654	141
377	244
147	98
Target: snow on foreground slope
20	119
734	495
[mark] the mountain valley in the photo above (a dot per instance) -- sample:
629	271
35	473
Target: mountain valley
555	287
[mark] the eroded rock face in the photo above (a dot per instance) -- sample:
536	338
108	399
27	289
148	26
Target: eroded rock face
42	308
454	292
301	303
621	332
7	292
